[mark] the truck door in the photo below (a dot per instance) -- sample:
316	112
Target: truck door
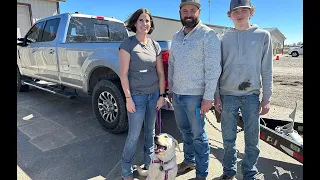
46	56
301	50
27	52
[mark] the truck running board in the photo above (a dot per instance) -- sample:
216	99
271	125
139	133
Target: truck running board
50	89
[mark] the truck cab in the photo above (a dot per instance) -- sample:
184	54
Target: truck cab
296	51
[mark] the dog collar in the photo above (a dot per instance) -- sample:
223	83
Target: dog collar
161	162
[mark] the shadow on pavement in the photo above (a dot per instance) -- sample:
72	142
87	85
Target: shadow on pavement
271	169
90	151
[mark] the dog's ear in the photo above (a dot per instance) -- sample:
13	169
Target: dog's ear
177	144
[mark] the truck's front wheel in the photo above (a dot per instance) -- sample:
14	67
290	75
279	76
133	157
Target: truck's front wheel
109	106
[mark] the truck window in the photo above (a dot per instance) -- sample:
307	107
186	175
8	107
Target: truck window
50	30
101	32
94	30
118	31
34	33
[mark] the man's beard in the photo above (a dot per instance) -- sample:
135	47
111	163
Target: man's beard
188	23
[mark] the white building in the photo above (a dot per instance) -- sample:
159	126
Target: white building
29	11
277	39
165	28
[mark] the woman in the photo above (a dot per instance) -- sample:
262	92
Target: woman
142	80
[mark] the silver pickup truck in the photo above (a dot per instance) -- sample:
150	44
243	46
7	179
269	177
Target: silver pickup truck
80	52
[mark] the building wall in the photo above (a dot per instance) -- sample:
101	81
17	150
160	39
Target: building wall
165	28
39	9
277	42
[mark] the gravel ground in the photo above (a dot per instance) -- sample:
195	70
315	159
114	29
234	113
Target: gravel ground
287	87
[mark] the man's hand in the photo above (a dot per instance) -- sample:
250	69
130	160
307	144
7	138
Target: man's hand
218	105
205	106
170	95
264	107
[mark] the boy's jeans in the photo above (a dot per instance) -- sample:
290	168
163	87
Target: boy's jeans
195	141
145	113
249	106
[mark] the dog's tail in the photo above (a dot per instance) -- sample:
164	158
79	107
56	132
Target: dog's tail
142	172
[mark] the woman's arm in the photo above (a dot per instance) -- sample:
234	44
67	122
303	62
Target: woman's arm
160	71
161	77
124	57
124	67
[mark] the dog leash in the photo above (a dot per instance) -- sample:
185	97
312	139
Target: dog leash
159	122
166	175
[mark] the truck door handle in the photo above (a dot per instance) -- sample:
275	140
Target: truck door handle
51	51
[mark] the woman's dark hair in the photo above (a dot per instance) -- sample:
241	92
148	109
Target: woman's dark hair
134	17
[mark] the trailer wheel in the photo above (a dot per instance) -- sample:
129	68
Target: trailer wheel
109	106
20	87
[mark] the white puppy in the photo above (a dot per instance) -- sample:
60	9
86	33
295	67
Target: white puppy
163	165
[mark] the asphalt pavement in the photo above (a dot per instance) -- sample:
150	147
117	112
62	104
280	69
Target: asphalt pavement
60	139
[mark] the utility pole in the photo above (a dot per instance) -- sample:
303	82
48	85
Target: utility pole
209	10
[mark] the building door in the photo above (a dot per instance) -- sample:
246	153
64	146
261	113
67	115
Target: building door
23	20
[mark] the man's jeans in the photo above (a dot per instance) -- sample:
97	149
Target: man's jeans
195	141
248	106
145	113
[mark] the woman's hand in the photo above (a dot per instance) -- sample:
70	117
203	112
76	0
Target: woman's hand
130	105
160	102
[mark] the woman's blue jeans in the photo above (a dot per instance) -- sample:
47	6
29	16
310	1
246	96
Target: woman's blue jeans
191	125
248	106
145	114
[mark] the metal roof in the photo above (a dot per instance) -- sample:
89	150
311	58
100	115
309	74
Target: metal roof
274	29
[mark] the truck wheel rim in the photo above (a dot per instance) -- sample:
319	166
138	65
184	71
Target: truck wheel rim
108	107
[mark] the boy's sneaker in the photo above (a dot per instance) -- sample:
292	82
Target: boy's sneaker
182	167
226	177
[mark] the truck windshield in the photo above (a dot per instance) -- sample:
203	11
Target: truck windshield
95	30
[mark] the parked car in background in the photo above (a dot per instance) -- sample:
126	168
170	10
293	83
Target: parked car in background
296	51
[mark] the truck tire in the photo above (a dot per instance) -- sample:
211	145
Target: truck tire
20	87
109	106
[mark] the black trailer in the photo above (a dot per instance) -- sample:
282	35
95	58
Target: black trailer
284	135
281	134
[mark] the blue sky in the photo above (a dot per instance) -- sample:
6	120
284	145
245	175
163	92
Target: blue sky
286	15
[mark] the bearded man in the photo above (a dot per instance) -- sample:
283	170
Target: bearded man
194	70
